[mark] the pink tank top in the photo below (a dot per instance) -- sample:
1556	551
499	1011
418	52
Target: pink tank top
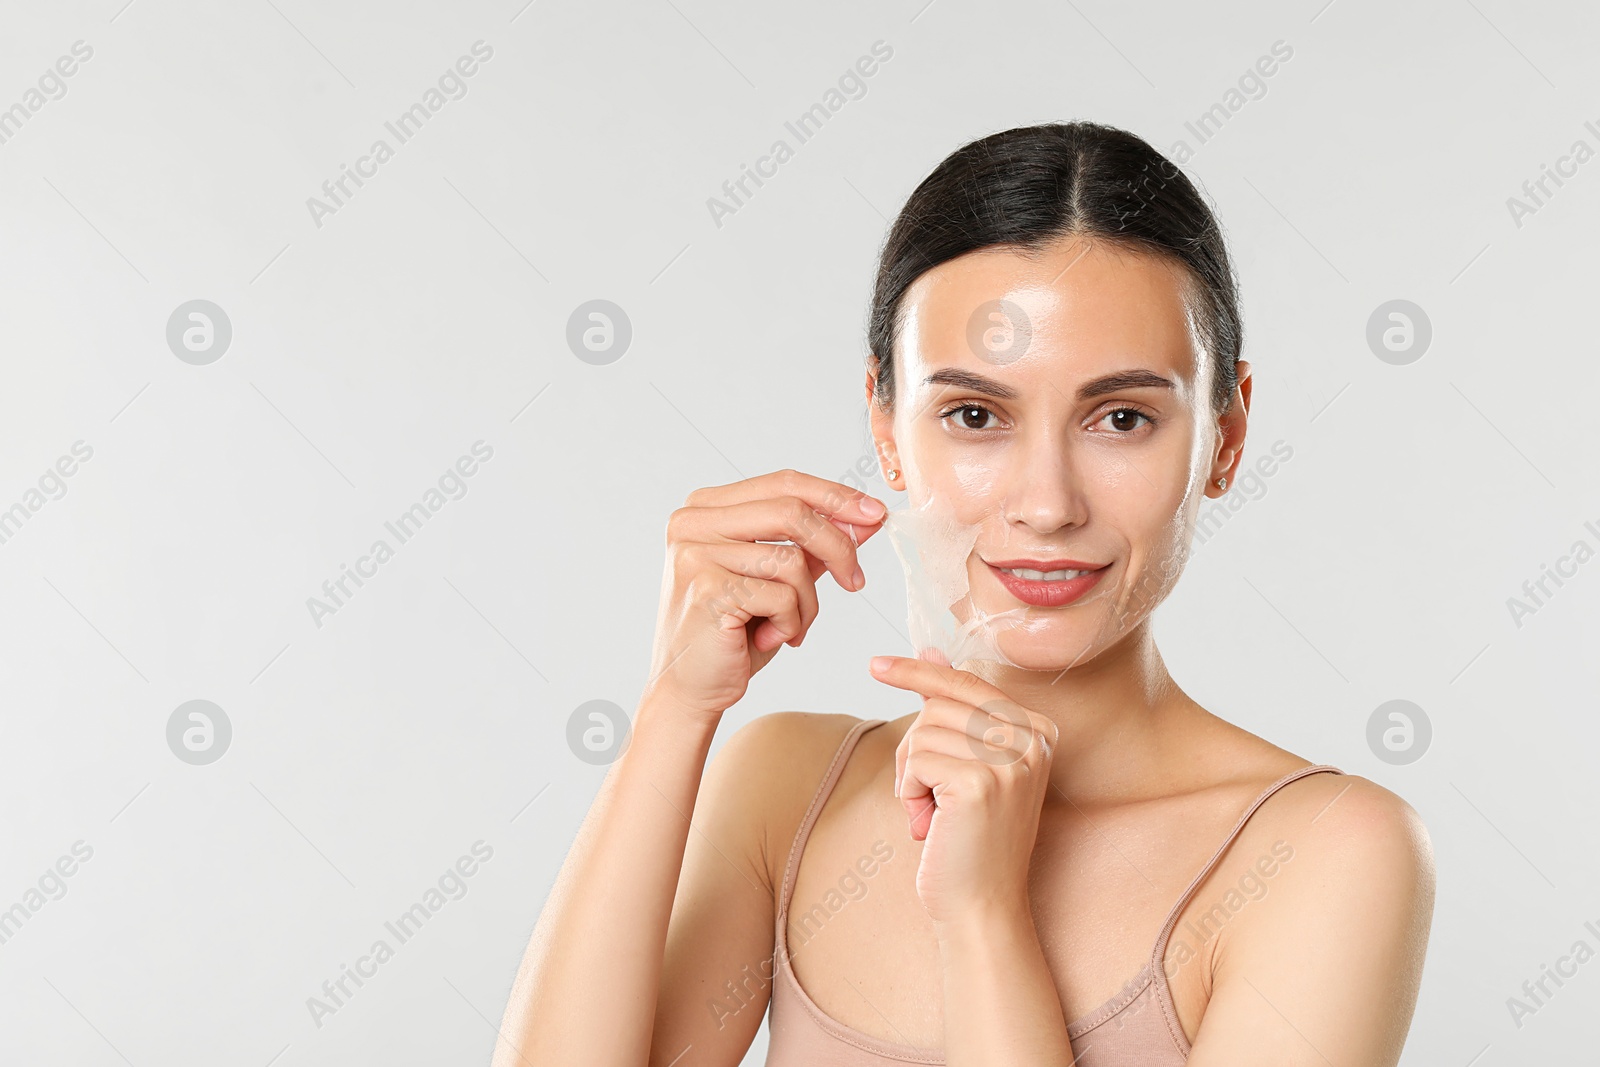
1136	1028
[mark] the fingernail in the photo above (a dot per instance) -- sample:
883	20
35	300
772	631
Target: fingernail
879	664
873	509
861	579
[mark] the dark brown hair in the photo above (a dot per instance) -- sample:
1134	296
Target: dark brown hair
1032	185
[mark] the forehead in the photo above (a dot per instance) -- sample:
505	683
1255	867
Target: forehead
1088	306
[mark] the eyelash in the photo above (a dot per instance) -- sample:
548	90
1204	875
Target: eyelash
1149	418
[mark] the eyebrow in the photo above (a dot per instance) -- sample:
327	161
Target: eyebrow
1107	383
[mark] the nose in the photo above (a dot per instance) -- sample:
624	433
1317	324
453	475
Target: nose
1044	488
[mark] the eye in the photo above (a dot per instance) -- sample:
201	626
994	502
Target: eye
967	419
1123	420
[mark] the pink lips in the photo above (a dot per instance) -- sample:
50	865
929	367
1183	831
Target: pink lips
1046	565
1046	594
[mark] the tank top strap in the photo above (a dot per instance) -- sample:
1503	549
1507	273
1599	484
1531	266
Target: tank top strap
1167	927
835	769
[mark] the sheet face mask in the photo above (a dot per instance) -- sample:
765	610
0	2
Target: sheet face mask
946	626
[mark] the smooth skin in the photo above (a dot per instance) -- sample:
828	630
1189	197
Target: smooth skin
1042	820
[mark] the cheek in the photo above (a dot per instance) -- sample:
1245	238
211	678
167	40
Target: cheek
1142	485
1160	546
1152	514
942	475
1156	521
1150	485
976	481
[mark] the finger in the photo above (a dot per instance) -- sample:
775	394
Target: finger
916	796
784	563
781	518
853	512
997	737
942	740
858	536
744	598
827	497
1001	732
857	532
933	679
903	749
927	774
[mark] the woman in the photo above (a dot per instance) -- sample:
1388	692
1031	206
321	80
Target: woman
1061	858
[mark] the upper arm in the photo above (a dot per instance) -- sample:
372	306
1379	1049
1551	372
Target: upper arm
718	967
1328	968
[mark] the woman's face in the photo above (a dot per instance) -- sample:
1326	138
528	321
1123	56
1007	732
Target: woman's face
1058	406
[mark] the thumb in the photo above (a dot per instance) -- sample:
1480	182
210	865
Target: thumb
917	800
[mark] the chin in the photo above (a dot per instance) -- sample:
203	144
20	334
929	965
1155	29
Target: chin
1047	647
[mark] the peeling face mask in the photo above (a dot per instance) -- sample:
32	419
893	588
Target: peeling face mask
937	548
1044	477
946	624
969	508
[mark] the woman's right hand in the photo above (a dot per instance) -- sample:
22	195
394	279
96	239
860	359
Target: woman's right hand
728	600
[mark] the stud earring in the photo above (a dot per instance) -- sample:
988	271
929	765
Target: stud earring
1222	482
893	475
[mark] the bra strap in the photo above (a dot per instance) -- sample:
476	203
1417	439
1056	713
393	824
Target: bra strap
835	769
1158	970
1216	857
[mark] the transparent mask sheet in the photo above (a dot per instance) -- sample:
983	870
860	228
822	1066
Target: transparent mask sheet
946	624
969	505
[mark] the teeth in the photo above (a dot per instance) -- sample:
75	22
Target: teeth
1043	576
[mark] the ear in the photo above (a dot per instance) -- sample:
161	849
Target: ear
1231	427
882	425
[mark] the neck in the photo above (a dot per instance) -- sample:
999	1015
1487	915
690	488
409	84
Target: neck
1118	714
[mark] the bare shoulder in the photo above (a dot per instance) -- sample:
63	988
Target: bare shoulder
1361	856
775	763
1353	821
1336	931
1363	865
1364	827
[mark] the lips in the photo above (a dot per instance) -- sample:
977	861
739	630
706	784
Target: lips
1045	565
1044	592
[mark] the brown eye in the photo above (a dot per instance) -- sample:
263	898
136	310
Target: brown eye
1125	420
969	416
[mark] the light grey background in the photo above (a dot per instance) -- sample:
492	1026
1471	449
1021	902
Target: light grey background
430	312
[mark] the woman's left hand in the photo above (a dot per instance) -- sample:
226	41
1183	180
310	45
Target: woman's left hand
972	772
